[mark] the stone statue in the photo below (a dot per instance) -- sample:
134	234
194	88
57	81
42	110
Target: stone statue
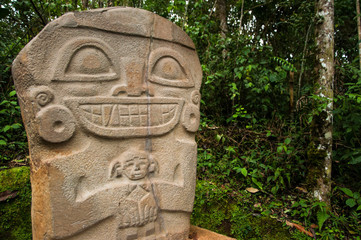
110	101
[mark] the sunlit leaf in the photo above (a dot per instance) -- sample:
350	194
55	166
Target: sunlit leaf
252	190
12	93
244	172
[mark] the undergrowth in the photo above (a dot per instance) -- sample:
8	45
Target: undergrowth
15	220
251	185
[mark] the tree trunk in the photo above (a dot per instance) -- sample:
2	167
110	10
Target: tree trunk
320	148
75	4
291	92
241	18
221	10
359	29
185	14
100	4
303	59
85	4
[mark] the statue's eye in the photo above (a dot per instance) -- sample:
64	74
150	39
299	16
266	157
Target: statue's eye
129	165
86	59
89	61
168	67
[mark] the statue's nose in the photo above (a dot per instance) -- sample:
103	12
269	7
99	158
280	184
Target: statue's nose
130	91
135	81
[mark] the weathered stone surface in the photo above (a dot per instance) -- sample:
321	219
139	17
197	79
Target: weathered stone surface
110	101
197	233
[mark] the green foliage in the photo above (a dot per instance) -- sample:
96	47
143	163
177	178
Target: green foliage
12	135
322	216
285	64
354	200
347	119
231	160
239	79
225	211
250	136
259	160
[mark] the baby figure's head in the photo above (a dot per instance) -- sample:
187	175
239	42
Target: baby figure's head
134	164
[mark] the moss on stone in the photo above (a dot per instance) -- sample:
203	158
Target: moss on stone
267	228
234	220
15	214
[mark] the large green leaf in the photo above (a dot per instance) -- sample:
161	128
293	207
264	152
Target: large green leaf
350	202
347	191
321	218
355	160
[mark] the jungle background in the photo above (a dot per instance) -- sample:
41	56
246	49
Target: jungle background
256	151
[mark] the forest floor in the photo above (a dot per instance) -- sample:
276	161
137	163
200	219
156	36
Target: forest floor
249	186
15	211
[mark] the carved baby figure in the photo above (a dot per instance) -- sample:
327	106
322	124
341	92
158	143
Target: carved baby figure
102	94
141	207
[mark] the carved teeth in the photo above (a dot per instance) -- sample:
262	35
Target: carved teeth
129	115
126	117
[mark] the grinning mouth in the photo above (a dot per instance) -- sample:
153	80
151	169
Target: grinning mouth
138	175
126	117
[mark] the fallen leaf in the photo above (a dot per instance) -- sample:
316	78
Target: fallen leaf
302	229
289	223
302	189
252	190
257	205
314	226
7	195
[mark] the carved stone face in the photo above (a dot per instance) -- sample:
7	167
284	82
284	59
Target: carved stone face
135	168
93	85
134	164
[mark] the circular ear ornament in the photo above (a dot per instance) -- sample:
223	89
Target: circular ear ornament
191	118
196	97
56	124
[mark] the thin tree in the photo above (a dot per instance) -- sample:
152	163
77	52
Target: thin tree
241	18
320	148
221	11
85	4
359	29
